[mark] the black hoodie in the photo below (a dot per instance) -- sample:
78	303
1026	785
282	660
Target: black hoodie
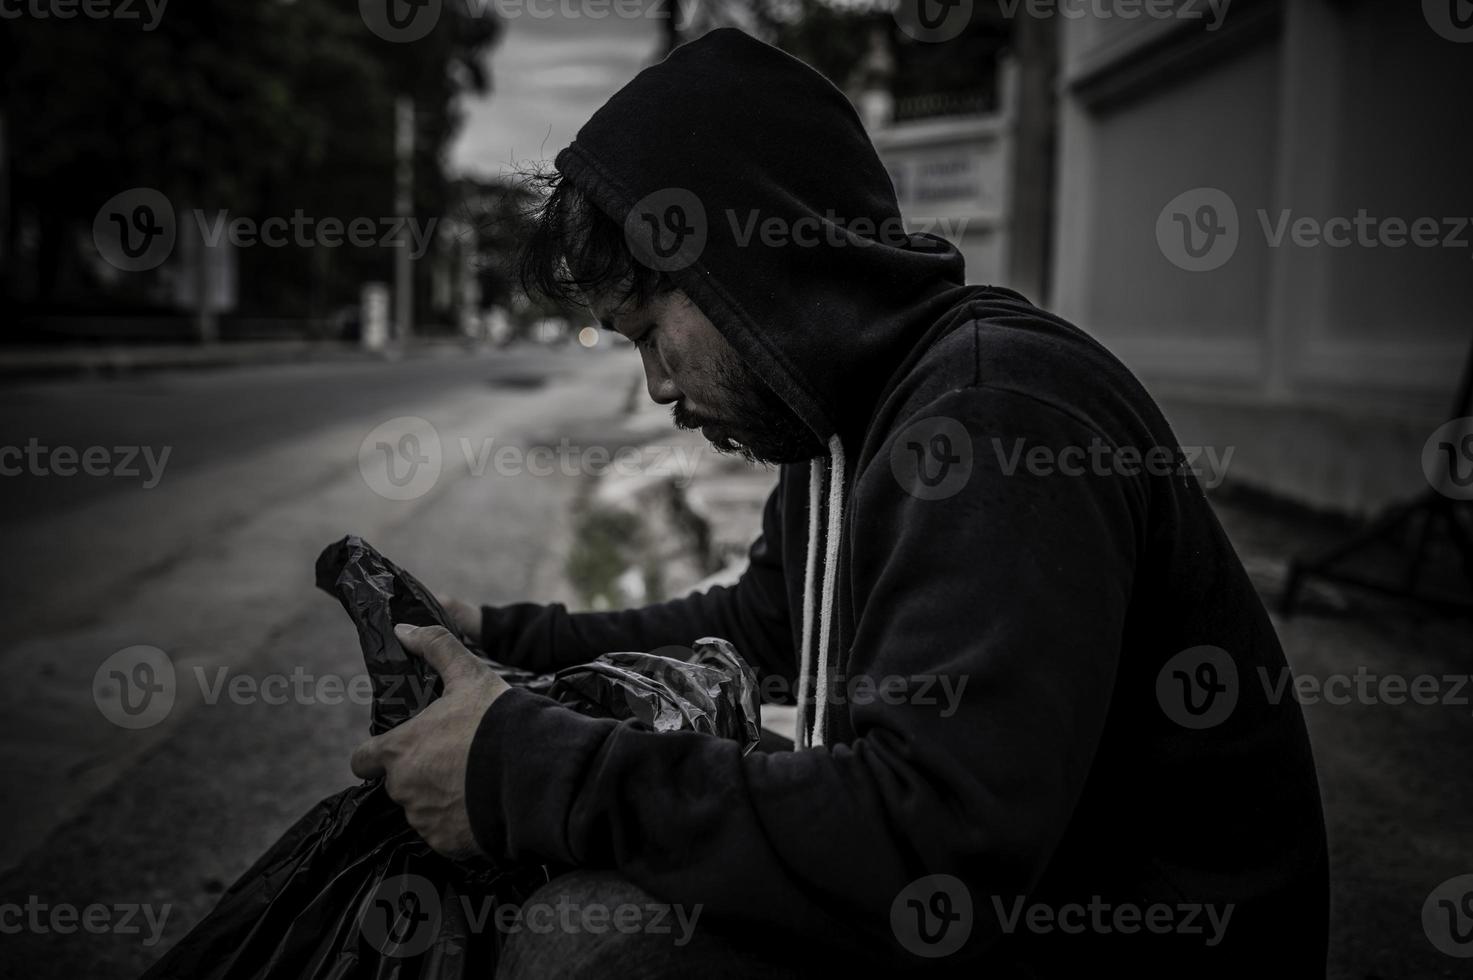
1050	680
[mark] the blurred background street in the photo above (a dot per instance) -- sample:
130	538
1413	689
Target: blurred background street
258	291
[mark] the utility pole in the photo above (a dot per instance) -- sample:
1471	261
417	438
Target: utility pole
404	210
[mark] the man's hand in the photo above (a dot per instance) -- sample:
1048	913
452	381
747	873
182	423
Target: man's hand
423	761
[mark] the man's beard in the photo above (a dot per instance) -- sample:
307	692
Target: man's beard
756	424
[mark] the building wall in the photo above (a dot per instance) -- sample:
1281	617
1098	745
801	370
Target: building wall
953	177
1324	368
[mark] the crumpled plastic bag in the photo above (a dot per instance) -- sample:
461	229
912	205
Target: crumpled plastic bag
350	890
713	692
377	594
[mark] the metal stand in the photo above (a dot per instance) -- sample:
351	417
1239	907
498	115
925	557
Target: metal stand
1425	516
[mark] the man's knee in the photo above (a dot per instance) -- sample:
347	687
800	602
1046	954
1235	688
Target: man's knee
594	924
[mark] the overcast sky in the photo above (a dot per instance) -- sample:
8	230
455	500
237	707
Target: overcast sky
549	74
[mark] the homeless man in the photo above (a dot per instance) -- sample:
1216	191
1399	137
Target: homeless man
966	503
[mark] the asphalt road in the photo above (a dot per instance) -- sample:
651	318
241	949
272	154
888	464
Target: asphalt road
205	416
212	566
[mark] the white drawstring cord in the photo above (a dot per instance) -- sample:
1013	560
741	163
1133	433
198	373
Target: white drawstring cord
830	580
805	660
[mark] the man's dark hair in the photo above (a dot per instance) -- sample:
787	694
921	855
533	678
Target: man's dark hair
576	251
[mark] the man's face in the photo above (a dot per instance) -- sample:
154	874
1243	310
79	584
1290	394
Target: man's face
690	366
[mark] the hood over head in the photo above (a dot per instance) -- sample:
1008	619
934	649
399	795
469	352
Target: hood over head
749	178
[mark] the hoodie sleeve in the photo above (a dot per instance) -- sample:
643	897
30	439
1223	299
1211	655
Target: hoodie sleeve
752	614
993	617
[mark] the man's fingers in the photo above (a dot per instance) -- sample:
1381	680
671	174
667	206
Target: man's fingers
368	759
440	649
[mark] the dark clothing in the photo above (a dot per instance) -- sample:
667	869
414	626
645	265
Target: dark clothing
598	925
1010	591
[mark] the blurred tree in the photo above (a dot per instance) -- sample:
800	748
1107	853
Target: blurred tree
498	213
260	108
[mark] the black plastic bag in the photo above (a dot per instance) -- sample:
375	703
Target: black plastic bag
351	891
713	692
378	594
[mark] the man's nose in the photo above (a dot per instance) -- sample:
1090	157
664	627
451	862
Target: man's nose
661	388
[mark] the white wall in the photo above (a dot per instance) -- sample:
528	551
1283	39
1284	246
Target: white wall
1326	368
